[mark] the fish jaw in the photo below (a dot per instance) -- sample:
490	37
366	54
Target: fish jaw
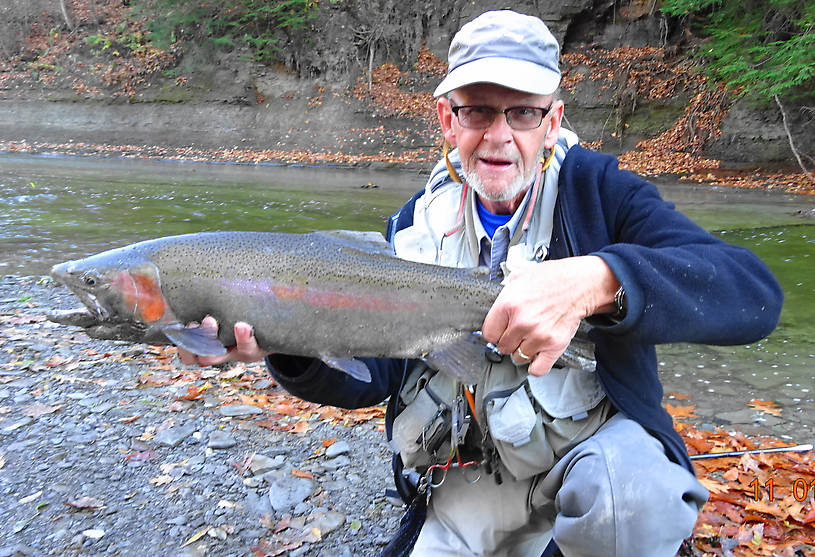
84	285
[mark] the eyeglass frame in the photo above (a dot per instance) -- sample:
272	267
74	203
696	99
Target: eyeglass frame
495	112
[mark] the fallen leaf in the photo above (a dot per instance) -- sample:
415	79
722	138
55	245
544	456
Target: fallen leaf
328	442
30	498
38	409
713	486
302	474
766	406
161	480
301	427
85	503
142	456
197	536
680	412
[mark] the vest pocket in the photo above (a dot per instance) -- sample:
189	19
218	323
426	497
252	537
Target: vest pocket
534	421
518	434
421	432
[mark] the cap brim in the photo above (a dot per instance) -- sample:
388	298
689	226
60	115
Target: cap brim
512	73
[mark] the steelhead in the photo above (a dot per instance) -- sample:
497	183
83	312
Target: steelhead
331	295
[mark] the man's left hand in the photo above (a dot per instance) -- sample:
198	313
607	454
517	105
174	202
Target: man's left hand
537	313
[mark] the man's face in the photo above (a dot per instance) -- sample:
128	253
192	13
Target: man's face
498	161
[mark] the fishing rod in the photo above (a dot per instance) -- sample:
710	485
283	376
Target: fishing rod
795	449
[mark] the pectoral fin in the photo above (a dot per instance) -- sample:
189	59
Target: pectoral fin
463	359
202	341
355	368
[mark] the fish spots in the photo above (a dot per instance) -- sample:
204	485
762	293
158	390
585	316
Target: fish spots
316	297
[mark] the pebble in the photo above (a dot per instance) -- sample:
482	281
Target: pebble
173	436
261	464
286	491
337	449
221	440
326	522
237	410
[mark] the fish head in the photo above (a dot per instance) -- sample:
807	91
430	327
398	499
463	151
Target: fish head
121	293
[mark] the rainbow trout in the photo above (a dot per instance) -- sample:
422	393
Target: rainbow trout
331	295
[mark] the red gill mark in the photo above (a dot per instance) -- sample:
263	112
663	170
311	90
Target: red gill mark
142	294
124	283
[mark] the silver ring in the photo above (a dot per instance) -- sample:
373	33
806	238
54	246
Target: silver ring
522	355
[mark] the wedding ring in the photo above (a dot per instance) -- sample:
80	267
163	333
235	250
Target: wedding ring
522	355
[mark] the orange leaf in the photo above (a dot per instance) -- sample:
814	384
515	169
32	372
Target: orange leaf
766	406
329	442
301	427
680	412
302	474
712	485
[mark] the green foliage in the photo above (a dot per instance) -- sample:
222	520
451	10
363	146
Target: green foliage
259	24
759	48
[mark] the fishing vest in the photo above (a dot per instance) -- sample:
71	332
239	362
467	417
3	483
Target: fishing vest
526	422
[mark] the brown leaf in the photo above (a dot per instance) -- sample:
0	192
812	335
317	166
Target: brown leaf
680	412
38	409
302	474
766	406
86	503
301	427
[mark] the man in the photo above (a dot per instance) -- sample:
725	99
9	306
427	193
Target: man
584	460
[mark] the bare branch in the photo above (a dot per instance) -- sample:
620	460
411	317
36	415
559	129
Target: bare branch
66	14
789	137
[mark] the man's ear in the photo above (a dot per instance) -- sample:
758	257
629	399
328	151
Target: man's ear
555	117
446	116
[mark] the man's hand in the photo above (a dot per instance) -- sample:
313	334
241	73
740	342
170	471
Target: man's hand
245	350
537	313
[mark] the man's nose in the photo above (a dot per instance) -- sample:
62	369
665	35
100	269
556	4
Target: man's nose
499	130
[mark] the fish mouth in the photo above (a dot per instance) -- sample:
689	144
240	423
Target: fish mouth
93	313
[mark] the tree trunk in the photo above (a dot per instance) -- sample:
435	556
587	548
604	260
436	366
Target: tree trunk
789	137
66	14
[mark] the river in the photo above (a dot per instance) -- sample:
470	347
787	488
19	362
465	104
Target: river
54	208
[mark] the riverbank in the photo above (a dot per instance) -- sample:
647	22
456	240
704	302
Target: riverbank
114	448
647	163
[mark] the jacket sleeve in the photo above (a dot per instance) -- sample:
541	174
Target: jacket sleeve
312	380
682	284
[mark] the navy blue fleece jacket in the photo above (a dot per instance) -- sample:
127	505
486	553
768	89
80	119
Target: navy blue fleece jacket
681	283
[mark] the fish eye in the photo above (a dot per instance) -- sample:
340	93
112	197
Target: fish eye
89	280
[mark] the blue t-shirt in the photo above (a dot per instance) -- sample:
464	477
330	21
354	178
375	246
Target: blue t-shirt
490	221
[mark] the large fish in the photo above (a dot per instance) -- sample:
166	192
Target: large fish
329	295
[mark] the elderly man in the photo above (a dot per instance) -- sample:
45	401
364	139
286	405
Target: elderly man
548	456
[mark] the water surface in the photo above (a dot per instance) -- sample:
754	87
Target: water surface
58	208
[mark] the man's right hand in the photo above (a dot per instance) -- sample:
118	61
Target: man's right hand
245	350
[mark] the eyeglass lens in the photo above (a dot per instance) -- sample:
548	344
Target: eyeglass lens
518	117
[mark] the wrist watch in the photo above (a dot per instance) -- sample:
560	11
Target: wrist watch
619	304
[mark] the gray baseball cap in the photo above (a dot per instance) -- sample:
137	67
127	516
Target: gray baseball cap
506	48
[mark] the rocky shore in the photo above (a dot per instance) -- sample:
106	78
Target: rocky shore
109	448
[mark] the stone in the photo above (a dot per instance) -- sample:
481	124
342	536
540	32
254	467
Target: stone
173	436
221	440
337	449
236	410
286	491
335	463
326	522
261	464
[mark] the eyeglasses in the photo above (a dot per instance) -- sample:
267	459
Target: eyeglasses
518	117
